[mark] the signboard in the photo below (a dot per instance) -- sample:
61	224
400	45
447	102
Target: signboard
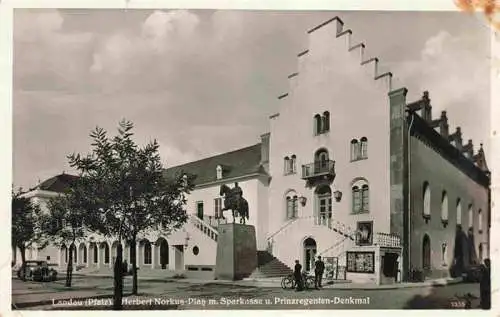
365	236
331	264
361	262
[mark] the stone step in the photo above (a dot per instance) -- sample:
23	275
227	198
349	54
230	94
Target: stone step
269	266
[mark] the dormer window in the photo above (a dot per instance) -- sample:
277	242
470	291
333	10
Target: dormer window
184	180
219	172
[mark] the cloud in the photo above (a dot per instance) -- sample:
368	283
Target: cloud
45	57
162	33
162	27
173	156
200	82
455	71
434	45
30	25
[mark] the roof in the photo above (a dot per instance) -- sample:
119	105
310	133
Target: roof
237	163
59	183
448	151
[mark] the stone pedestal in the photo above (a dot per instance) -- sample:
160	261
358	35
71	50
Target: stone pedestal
236	251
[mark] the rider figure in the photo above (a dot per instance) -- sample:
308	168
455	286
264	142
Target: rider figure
237	195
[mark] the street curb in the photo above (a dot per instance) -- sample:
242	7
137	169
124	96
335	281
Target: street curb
347	287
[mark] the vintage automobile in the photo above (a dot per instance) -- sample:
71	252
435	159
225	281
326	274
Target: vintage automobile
39	271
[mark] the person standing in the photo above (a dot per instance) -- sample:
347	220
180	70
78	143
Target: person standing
297	274
319	268
485	285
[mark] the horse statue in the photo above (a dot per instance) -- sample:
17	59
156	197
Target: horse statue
234	201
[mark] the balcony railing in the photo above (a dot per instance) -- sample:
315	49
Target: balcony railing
387	240
318	168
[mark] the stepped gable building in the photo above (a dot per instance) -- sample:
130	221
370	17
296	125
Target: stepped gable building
350	170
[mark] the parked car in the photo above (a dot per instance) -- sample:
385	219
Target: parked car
39	271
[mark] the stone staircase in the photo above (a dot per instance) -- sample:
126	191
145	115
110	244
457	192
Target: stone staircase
269	266
204	227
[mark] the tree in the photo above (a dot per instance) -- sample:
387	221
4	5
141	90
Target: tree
25	225
64	222
127	194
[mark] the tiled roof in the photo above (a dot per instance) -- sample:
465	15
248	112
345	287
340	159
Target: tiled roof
57	183
448	151
236	163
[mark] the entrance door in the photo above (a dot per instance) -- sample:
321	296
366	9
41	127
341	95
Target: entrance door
390	265
199	209
163	254
179	257
309	254
426	253
323	208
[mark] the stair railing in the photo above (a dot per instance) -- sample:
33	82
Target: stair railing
338	227
204	227
270	240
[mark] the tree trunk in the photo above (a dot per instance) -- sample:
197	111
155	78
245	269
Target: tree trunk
118	279
22	249
133	259
69	271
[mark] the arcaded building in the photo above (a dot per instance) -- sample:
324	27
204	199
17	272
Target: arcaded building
349	170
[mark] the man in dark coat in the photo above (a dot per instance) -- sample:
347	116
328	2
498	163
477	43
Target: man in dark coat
319	268
485	285
297	274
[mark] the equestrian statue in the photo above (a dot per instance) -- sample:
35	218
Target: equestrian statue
233	200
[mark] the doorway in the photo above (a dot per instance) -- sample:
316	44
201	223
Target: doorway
310	250
426	254
390	265
179	257
163	253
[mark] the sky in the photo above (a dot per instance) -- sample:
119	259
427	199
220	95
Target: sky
204	82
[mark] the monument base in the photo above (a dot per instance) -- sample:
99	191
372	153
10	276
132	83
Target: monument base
236	251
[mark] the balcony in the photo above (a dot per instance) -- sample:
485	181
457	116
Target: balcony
387	240
319	170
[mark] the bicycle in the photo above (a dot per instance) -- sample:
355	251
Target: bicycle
289	281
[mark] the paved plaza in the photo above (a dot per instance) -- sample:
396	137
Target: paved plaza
95	293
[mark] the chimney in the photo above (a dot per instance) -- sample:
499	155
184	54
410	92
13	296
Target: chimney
443	125
457	137
468	149
426	107
264	151
480	160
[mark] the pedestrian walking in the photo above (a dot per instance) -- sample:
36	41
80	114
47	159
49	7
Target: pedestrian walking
319	268
485	285
297	274
125	267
